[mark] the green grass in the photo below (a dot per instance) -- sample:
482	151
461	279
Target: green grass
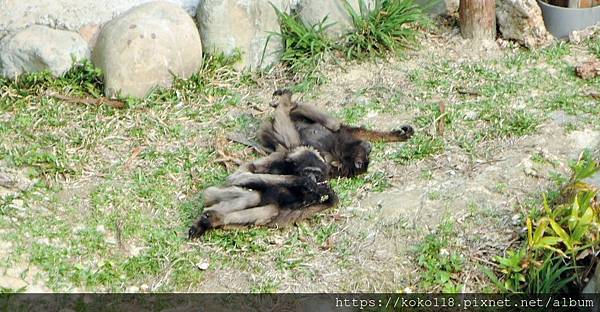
389	27
384	28
305	47
439	260
419	147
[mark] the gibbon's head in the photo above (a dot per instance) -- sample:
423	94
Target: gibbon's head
356	159
307	160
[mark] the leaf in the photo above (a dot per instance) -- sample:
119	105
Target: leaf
561	233
549	241
540	230
529	232
546	206
560	252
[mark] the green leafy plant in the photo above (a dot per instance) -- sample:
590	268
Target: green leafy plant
384	28
304	47
552	276
559	238
513	268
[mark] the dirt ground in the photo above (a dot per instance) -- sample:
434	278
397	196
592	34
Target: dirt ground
508	131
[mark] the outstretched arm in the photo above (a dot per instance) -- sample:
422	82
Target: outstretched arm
400	135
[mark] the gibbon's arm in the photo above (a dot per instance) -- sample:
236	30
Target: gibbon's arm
404	133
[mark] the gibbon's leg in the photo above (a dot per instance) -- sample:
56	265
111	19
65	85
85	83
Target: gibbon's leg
404	133
240	200
253	216
258	181
283	127
311	112
215	215
213	195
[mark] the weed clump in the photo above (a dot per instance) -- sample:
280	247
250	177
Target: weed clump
561	238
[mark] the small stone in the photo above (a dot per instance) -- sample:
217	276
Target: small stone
471	115
202	266
579	36
144	287
516	219
111	240
100	229
133	289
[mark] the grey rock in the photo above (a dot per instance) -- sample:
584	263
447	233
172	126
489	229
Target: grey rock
38	48
312	12
521	20
13	181
70	15
246	26
593	286
145	47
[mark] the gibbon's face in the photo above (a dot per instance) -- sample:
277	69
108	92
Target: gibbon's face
356	161
308	161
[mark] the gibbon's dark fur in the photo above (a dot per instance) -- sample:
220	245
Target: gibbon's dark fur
346	149
284	187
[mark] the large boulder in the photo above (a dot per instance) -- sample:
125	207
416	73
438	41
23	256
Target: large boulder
245	26
522	21
312	12
70	15
39	48
145	47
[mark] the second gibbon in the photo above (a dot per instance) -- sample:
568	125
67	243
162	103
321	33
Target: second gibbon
345	148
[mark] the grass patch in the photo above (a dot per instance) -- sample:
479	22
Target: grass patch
439	260
384	28
305	47
419	147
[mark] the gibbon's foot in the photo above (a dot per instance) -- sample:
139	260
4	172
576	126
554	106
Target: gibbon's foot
405	132
201	226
